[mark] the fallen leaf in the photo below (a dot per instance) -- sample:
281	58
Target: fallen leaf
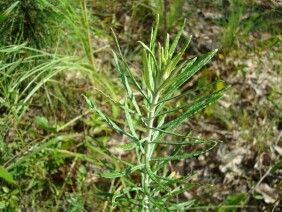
269	194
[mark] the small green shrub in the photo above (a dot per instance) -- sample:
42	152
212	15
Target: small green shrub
163	74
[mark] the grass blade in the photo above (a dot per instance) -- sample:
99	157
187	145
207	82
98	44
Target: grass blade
7	12
48	143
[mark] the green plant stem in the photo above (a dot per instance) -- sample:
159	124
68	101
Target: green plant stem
148	149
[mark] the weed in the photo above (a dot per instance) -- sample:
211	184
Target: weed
163	74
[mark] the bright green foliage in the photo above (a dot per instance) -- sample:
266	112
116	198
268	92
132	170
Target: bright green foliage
163	75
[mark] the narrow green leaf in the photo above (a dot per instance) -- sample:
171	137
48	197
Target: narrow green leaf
168	80
166	49
122	173
132	201
109	121
179	190
168	181
7	176
181	205
129	121
175	41
117	103
126	200
14	66
147	72
122	192
152	176
154	34
160	57
132	129
127	67
170	68
198	141
63	153
164	163
105	152
12	48
176	70
190	105
192	91
126	85
37	150
194	108
168	133
157	202
150	53
183	156
131	146
7	12
186	74
156	134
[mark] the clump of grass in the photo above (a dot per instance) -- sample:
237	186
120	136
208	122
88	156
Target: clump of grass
163	74
35	22
236	11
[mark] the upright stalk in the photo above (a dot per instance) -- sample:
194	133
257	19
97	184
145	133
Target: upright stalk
148	148
164	74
